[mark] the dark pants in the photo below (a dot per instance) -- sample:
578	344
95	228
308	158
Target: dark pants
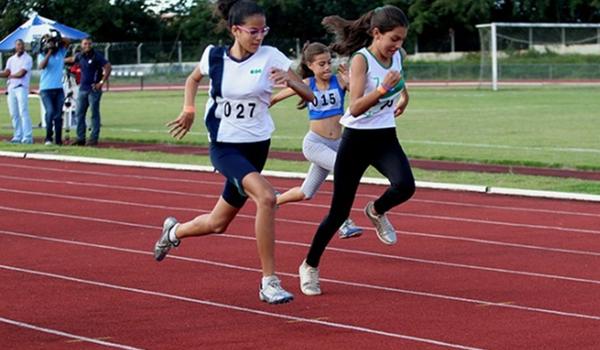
359	149
53	100
87	99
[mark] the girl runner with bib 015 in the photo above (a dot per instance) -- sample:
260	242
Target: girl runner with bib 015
323	139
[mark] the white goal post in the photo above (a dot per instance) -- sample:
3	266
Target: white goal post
500	40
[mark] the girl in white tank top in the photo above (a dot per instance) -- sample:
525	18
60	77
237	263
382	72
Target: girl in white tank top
377	97
240	127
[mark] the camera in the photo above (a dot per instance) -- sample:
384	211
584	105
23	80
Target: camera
51	42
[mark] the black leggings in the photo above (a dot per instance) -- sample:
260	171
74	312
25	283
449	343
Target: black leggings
359	149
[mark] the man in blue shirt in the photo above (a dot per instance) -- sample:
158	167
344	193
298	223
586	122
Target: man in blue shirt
95	70
51	62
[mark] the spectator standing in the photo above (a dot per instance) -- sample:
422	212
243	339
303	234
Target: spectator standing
95	70
51	62
18	73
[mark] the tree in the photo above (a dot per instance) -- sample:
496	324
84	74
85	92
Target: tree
433	20
13	14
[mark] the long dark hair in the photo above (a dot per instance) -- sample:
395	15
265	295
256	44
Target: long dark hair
353	35
309	51
235	12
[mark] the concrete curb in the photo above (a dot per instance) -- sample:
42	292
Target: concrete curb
295	175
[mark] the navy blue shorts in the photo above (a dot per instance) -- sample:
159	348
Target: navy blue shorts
235	161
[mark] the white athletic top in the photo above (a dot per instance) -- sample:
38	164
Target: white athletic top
15	63
240	93
381	115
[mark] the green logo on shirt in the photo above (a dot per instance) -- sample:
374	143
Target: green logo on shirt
256	71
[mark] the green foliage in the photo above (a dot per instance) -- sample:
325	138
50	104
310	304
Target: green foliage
105	20
12	13
552	10
431	20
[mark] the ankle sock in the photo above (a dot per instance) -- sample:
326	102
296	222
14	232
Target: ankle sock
172	237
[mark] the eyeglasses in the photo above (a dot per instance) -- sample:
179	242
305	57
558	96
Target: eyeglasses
255	31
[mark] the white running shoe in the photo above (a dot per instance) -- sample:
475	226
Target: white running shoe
309	279
349	230
164	244
273	292
384	229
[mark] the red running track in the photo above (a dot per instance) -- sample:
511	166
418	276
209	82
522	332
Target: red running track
469	271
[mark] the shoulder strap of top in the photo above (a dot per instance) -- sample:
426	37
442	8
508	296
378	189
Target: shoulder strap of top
365	54
312	83
334	83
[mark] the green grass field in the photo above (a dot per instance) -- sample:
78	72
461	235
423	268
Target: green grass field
549	127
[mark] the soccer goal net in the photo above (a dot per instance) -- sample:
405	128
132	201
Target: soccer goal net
508	49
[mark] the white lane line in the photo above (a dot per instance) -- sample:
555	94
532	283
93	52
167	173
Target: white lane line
105	174
511	208
295	175
116	187
432	262
324	192
66	335
237	308
341	282
188	194
522	148
349	251
310	223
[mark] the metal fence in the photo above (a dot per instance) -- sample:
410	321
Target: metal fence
174	52
170	62
532	71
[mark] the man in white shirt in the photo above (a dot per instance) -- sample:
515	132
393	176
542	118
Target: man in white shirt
18	73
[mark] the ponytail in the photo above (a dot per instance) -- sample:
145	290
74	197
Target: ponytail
353	35
235	12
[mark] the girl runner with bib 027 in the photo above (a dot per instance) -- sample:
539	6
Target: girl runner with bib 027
239	126
323	139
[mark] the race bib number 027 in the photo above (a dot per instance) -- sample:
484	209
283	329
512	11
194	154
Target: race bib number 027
238	109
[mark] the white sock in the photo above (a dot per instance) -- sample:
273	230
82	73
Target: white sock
266	279
172	237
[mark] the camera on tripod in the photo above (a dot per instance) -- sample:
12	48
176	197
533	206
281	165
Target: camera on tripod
51	42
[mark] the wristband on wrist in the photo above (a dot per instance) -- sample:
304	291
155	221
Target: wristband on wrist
189	109
382	90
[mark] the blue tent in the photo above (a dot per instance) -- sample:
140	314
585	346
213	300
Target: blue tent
34	28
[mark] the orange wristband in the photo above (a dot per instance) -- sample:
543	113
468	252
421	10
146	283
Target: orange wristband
382	91
189	109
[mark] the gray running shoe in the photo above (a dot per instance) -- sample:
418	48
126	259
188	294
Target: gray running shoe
384	229
309	279
164	244
273	292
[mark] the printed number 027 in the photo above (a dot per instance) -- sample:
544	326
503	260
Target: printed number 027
239	110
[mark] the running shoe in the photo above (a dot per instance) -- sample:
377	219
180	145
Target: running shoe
384	229
309	279
273	293
164	244
349	230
